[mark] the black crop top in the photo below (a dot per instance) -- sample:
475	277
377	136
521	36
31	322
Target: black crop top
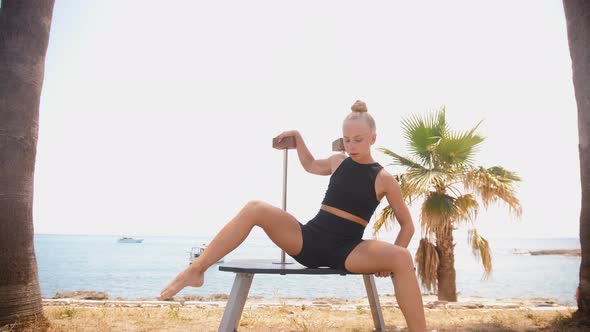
352	188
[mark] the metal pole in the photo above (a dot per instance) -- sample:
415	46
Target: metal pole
285	162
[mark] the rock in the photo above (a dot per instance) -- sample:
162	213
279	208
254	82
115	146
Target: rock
331	300
82	295
455	305
218	297
193	298
502	306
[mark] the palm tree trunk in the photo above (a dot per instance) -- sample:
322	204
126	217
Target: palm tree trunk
24	35
577	14
447	288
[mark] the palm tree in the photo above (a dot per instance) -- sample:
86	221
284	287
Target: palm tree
577	15
24	35
443	175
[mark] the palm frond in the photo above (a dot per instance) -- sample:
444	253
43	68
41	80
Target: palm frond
481	249
423	133
418	179
492	185
453	189
436	215
385	220
458	147
409	192
466	208
424	180
398	160
427	261
503	174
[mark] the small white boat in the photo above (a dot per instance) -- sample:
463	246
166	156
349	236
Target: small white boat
197	251
125	239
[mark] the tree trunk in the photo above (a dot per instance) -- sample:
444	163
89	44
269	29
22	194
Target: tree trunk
24	35
577	14
447	288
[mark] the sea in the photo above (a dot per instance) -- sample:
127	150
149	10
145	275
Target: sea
140	270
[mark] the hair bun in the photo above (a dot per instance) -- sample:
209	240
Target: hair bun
359	106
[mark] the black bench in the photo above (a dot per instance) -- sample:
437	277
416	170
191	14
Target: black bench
246	269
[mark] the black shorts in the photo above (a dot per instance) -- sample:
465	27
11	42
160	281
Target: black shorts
328	240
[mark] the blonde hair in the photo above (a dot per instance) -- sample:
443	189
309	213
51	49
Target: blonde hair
360	111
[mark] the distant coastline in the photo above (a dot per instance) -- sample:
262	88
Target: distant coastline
562	252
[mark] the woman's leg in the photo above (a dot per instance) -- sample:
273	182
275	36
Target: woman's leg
282	228
373	256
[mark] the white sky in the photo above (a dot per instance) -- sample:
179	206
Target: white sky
157	118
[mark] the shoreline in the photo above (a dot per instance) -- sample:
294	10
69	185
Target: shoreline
87	296
220	300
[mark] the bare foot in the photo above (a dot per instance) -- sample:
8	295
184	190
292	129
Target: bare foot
185	278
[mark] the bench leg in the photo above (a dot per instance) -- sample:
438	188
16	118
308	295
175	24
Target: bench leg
235	302
374	302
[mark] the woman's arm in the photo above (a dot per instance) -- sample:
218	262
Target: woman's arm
309	163
400	209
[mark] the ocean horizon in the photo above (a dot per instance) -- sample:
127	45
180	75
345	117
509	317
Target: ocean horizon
140	270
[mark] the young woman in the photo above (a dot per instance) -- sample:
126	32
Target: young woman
334	236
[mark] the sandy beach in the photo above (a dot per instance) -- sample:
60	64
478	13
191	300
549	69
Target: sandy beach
297	314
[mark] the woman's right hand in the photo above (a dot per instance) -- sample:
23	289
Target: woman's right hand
288	133
383	274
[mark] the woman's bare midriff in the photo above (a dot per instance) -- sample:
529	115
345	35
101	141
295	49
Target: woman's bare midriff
344	214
